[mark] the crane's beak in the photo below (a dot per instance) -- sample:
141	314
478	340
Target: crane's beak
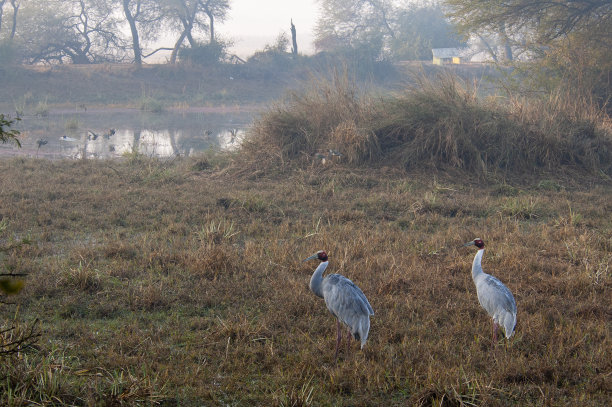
469	244
314	256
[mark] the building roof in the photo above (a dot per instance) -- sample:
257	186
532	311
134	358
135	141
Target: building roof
450	52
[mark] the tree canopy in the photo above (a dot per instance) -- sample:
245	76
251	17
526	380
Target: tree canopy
94	31
569	40
384	29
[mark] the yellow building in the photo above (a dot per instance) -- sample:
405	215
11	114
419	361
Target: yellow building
445	56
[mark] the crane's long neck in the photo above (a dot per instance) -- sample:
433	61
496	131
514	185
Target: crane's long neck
476	266
316	281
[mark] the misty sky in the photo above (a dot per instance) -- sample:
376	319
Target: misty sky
254	23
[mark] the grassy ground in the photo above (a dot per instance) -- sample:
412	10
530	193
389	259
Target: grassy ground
35	90
182	284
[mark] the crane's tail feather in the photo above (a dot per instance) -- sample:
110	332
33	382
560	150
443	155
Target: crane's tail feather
363	329
509	323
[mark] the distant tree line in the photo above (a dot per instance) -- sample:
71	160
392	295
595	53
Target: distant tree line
552	45
98	31
384	29
559	42
564	45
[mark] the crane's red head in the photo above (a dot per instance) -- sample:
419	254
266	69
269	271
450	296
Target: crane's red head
476	242
321	255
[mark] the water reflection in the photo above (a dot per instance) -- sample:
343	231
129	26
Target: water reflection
180	134
230	139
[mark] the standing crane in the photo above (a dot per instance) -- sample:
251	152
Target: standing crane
493	295
344	300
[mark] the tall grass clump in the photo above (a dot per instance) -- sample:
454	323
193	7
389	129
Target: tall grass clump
149	104
434	123
446	123
327	114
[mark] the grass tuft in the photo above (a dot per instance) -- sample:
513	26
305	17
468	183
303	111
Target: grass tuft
436	122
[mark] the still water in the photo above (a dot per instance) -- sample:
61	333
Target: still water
112	133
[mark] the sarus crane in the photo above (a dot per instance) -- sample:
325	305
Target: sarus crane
344	300
493	295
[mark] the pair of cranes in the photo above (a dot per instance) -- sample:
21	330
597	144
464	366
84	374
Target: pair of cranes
350	306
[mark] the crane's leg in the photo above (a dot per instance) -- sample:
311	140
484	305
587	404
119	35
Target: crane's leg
338	338
348	340
495	327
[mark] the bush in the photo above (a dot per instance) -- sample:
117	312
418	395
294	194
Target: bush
7	135
437	122
203	54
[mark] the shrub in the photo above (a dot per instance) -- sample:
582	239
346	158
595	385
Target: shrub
7	135
439	122
203	54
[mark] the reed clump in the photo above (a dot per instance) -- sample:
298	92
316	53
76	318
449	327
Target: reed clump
439	122
328	114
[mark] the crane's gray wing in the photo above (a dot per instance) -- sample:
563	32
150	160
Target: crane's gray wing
494	296
344	299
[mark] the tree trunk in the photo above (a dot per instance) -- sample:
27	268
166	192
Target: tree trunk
489	49
506	44
15	10
192	42
134	30
294	48
1	7
177	45
211	18
507	51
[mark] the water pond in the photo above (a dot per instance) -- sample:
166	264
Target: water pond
109	133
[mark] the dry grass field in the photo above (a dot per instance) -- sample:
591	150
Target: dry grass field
181	283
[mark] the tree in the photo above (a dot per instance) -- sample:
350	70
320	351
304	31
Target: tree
548	20
75	31
1	12
187	16
185	13
15	5
568	40
383	29
94	28
215	10
294	46
141	16
356	24
421	28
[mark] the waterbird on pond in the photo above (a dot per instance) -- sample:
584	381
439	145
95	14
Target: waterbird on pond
330	154
334	153
493	295
344	300
40	142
